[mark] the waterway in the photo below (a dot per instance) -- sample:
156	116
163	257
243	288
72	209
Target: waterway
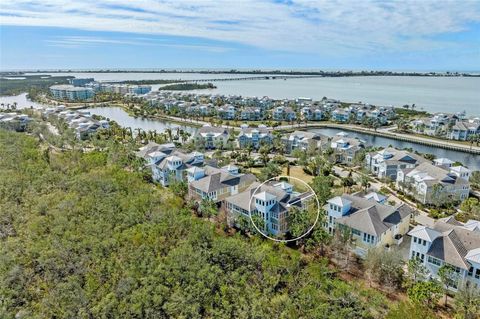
118	115
432	94
470	160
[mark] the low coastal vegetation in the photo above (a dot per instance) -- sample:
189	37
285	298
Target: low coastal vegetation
32	84
187	87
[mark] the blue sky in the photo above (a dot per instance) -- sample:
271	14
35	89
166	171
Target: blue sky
296	34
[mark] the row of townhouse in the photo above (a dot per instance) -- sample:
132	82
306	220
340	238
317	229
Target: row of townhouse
14	121
254	109
438	182
80	121
450	126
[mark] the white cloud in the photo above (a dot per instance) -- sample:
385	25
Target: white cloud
335	27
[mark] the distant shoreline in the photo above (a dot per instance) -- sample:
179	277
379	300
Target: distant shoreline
260	72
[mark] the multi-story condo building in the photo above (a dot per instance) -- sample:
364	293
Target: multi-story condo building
80	81
387	162
431	184
212	136
303	141
271	201
168	164
71	93
370	223
217	183
254	137
449	242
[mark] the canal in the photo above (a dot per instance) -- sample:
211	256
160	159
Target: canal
124	119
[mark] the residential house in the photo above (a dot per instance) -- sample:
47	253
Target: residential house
387	162
371	224
271	201
340	115
302	140
212	136
463	129
345	148
167	163
449	242
283	113
217	183
431	184
254	136
226	112
311	113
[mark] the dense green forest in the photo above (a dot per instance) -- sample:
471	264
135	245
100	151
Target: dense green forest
81	236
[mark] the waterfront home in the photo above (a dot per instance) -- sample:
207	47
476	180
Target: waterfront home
302	140
167	163
449	242
460	171
217	183
311	113
81	121
340	115
443	162
254	136
14	121
226	112
251	114
71	93
211	137
387	162
370	223
283	113
431	184
345	148
463	129
271	201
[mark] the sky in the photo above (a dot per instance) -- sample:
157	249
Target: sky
243	34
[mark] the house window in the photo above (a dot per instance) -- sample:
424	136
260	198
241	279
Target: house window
424	243
356	232
368	238
477	274
415	240
434	261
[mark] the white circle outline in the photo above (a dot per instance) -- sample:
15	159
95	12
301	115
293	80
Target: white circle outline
284	240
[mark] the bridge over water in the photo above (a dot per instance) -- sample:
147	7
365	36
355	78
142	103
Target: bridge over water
250	78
